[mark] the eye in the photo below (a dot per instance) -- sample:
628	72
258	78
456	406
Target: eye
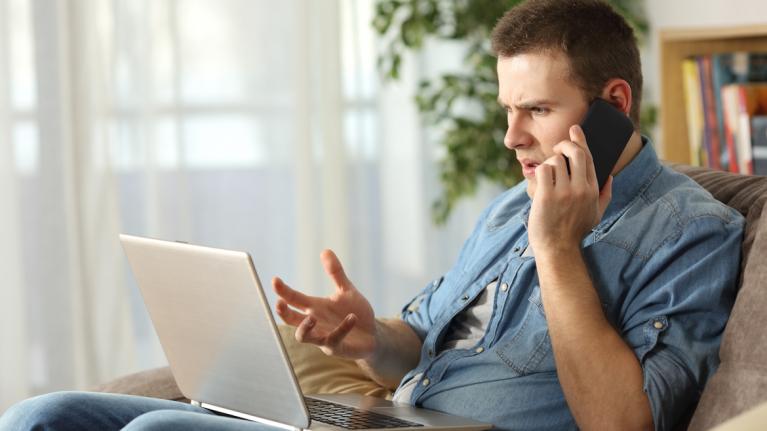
538	110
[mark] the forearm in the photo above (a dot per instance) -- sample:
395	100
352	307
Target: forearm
397	351
600	375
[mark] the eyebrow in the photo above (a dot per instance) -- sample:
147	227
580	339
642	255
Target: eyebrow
529	104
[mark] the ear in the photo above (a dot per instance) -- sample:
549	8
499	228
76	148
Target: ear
618	93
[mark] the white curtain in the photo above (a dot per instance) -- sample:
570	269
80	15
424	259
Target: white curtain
256	125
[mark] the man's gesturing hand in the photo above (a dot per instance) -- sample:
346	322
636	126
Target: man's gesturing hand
565	207
341	324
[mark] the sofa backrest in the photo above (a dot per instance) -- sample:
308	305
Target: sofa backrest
741	381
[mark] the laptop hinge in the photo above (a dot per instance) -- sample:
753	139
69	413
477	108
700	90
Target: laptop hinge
245	416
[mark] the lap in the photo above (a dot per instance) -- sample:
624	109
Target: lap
85	410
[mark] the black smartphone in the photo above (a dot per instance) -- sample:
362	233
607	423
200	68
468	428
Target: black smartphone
607	131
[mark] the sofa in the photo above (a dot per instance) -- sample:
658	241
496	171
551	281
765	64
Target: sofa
738	386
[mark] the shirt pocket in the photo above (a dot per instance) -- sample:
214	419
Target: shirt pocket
529	349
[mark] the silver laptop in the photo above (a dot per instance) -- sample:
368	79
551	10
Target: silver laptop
221	341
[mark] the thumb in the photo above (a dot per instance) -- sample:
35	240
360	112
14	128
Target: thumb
333	268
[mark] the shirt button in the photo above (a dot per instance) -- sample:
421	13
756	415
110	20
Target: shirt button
658	324
435	282
504	287
425	382
465	298
431	353
516	249
479	349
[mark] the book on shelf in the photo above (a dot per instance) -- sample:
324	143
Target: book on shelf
722	95
740	103
759	135
710	131
694	112
722	73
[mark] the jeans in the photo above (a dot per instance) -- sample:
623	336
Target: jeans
64	411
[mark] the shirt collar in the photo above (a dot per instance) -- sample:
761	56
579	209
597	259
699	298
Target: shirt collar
632	180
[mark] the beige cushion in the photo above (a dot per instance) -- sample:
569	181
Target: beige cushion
753	420
319	373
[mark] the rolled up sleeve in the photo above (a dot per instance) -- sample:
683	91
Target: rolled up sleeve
688	287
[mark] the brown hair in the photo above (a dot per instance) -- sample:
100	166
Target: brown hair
598	42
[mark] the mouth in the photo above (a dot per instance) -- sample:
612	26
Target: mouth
528	167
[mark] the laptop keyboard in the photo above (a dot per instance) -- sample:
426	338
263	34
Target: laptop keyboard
350	418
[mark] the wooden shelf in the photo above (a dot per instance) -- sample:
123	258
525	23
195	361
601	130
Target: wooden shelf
679	44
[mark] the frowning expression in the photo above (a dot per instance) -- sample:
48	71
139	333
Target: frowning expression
542	102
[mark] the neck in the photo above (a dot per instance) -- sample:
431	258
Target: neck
632	149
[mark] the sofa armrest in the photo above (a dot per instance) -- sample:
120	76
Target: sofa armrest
155	383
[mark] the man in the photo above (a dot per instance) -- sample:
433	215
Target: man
568	307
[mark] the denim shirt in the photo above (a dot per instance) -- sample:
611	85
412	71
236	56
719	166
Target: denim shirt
664	260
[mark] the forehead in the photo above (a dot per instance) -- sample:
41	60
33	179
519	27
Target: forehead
544	75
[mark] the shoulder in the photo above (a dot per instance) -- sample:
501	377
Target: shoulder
685	201
671	206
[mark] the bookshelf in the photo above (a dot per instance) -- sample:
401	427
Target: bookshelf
675	46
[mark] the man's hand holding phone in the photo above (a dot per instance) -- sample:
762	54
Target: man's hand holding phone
574	187
566	207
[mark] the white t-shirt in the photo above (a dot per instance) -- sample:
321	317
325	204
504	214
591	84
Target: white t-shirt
466	329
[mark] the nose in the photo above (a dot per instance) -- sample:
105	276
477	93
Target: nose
517	135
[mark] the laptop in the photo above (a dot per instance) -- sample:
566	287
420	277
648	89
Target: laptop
223	347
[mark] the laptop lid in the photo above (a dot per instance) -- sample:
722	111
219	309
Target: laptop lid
216	329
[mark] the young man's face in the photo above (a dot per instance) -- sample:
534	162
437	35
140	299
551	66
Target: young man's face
542	103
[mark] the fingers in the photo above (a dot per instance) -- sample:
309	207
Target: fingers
291	296
333	268
579	138
579	163
336	335
576	150
558	169
544	177
287	314
306	333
